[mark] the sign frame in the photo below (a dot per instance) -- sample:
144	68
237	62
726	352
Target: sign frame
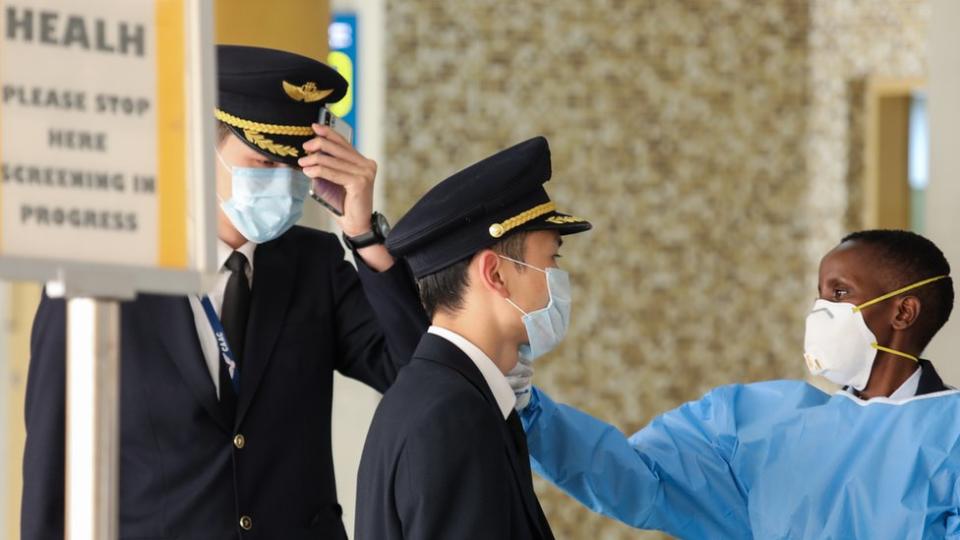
74	279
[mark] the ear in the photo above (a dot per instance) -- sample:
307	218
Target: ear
908	311
488	268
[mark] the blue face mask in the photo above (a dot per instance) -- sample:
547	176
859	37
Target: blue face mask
546	327
266	202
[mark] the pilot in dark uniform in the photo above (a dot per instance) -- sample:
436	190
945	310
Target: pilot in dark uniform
446	457
237	445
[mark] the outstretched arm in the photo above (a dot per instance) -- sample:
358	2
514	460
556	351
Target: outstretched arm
673	475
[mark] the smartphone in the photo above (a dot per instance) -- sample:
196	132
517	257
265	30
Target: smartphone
325	192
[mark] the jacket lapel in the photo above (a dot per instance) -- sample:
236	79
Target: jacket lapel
274	273
526	491
436	349
171	318
930	380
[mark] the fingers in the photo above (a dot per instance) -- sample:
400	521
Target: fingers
314	161
331	157
337	177
523	399
520	377
329	132
340	172
330	142
326	146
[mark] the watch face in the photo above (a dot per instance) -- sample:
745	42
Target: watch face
382	225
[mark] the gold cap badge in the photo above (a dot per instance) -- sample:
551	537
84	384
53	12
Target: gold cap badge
307	93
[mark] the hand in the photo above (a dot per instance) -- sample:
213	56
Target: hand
521	380
331	157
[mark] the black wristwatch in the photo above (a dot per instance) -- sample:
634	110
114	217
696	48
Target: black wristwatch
379	229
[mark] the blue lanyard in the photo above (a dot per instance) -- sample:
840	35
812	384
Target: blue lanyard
221	336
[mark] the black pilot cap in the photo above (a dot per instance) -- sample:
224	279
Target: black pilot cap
480	206
270	98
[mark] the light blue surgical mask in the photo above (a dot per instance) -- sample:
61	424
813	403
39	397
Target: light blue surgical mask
265	202
546	327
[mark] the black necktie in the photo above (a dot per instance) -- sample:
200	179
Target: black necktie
233	315
520	441
236	305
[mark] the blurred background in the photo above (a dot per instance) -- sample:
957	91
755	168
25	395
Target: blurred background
720	147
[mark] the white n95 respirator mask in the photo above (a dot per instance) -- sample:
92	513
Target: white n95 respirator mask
839	345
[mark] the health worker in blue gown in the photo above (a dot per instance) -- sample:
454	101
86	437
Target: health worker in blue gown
782	459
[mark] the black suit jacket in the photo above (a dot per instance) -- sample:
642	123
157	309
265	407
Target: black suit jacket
930	380
181	476
439	461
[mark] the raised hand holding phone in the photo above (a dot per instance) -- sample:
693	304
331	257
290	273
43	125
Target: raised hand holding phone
343	181
330	194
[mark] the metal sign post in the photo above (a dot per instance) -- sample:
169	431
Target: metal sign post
93	445
106	135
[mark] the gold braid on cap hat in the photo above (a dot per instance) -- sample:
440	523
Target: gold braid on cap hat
499	229
269	129
253	131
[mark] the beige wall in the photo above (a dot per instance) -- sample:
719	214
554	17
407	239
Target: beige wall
944	193
713	144
848	42
18	304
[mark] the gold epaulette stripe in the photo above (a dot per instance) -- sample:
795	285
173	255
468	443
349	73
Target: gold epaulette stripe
499	229
271	129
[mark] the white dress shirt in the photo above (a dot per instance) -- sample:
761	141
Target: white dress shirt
906	391
208	341
496	380
909	387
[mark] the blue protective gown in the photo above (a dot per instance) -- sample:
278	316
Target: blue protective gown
769	460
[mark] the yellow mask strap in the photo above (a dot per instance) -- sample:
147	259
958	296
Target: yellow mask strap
897	292
896	352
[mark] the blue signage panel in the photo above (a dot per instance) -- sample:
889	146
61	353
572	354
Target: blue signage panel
343	57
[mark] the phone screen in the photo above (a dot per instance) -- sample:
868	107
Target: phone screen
325	192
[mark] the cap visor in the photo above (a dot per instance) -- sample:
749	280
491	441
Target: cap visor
556	221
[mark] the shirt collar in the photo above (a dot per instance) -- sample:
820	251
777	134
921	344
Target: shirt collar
909	387
495	379
907	390
224	251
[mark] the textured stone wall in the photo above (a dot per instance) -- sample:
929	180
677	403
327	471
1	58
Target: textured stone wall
849	41
710	143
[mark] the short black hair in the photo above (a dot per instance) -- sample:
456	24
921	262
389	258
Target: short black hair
443	290
911	258
223	130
